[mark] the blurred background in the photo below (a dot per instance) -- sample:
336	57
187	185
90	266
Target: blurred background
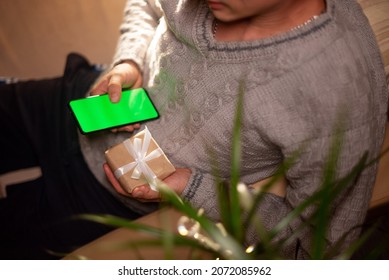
36	35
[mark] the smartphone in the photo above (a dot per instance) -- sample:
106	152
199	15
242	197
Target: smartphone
96	113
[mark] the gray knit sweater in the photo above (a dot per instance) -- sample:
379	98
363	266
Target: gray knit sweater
297	84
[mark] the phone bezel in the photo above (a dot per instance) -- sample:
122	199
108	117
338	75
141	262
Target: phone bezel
124	91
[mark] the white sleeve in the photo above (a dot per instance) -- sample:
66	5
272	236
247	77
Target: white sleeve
141	17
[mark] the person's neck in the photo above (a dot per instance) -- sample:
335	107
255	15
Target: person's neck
279	19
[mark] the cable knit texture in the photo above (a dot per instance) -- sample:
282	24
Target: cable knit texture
297	84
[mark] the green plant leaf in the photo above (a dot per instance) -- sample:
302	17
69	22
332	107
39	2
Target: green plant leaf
236	215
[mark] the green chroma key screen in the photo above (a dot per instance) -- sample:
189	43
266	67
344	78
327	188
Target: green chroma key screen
97	112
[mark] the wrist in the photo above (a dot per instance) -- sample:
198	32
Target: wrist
131	63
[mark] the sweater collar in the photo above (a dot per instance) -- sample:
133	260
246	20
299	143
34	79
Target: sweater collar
253	49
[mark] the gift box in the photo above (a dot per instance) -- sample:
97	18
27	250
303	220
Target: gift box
138	161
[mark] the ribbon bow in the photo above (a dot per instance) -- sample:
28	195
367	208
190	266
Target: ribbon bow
138	151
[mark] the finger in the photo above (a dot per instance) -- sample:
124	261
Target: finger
144	192
129	128
100	87
114	182
115	87
138	83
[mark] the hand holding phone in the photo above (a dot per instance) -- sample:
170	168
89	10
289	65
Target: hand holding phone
97	112
124	75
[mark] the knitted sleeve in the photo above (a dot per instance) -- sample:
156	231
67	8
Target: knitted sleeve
201	193
347	211
140	20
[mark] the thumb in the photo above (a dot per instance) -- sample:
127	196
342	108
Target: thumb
115	88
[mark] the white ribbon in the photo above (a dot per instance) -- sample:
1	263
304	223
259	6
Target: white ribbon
138	151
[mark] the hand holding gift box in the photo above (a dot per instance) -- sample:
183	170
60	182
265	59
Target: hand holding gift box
138	161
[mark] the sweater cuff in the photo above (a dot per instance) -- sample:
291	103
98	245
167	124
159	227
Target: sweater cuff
200	192
194	183
128	56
